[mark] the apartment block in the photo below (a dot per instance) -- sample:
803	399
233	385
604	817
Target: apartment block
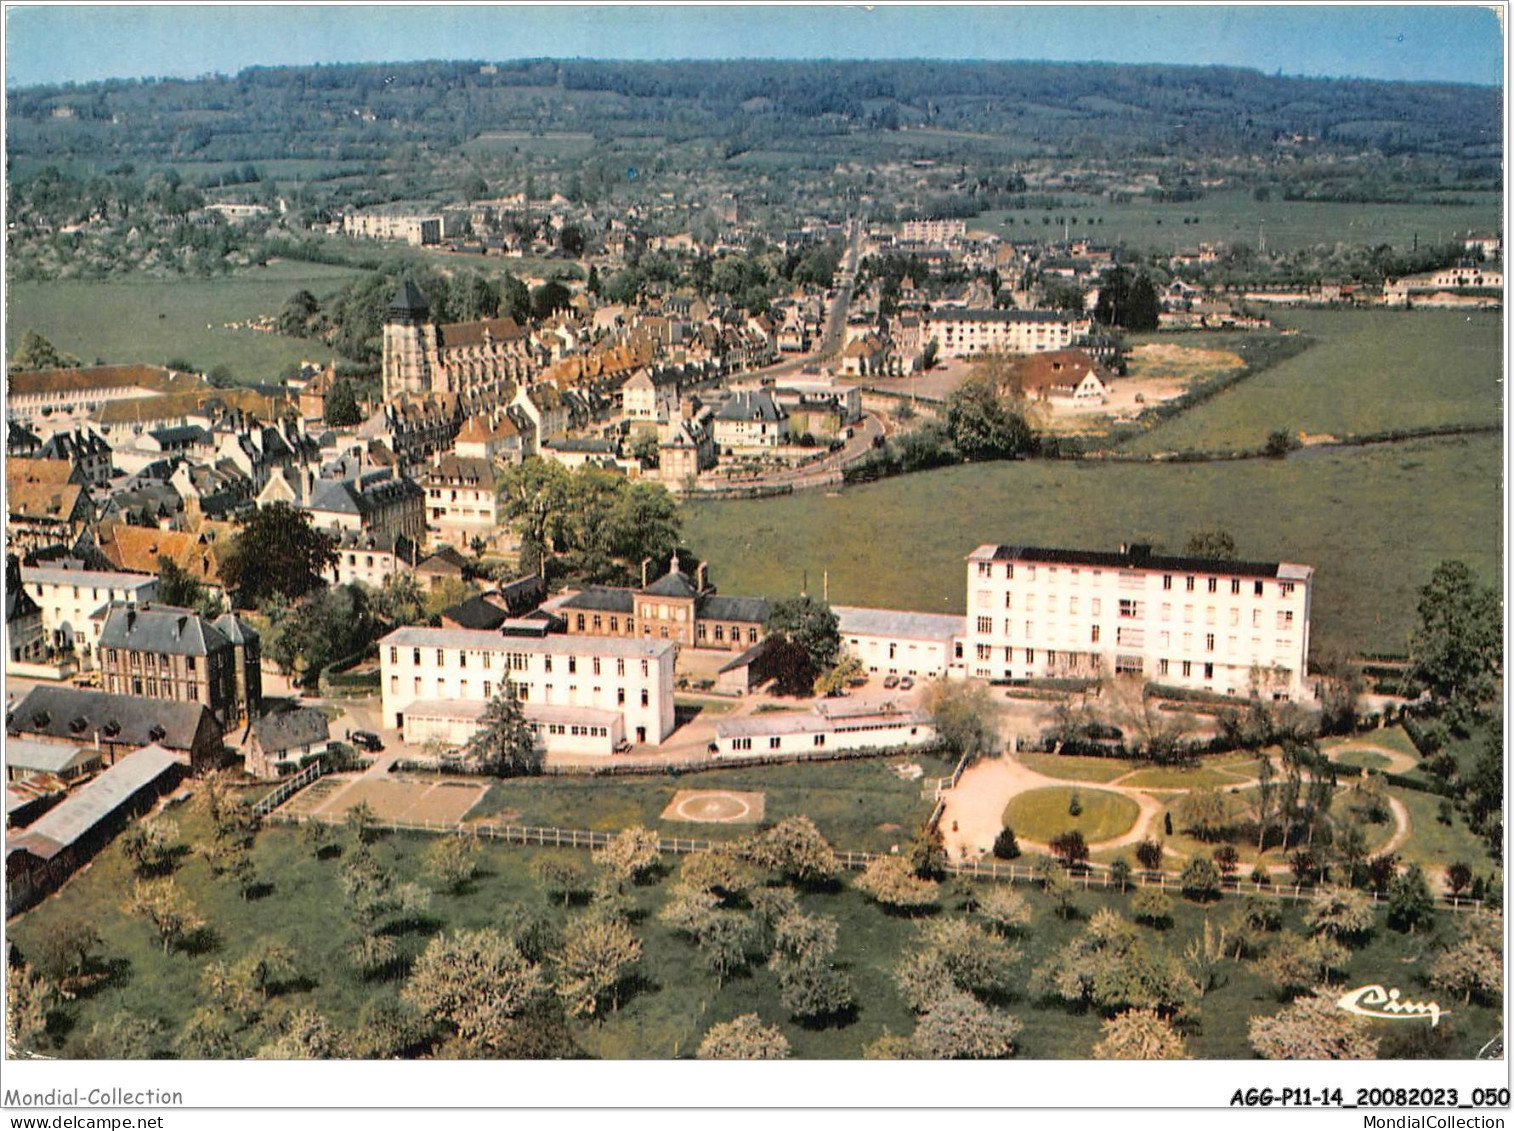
582	694
1230	627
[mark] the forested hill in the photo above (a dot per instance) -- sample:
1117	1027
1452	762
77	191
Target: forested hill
360	112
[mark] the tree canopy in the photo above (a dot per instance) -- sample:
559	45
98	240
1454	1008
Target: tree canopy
1458	643
276	551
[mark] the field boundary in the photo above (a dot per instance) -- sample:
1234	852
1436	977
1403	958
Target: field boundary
1087	876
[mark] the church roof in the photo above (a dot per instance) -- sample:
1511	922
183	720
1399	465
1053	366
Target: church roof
409	300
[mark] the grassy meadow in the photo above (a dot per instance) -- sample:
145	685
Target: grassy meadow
1374	522
674	999
151	321
1368	371
1233	216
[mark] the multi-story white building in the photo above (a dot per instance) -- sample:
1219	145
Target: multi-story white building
965	331
932	231
1234	628
583	694
72	602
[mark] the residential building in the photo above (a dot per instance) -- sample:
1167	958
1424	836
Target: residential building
831	728
47	507
647	399
489	436
377	501
1229	627
750	419
137	549
368	558
462	501
685	610
118	724
85	450
283	741
966	332
25	633
1067	375
892	642
581	694
72	601
163	652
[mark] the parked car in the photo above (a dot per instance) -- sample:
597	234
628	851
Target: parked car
367	740
890	682
906	683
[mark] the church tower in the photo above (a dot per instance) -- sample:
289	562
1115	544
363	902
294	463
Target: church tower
407	365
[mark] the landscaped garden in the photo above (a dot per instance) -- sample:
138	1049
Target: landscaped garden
1041	815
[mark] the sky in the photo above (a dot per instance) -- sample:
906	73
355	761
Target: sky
1446	42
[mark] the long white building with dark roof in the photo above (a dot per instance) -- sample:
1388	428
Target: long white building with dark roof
1230	627
585	694
963	331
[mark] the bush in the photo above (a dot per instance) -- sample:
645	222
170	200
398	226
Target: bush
1201	880
1005	845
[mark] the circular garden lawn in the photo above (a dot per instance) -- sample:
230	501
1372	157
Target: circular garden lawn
1042	814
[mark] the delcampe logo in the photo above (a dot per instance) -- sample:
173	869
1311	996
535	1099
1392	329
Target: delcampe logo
1386	1005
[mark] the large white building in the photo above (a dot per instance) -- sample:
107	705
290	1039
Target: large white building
583	694
72	602
1234	628
966	331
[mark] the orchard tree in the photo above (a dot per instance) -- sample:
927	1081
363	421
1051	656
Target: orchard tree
960	1027
1139	1034
1472	966
1341	913
1313	1028
597	956
1410	904
453	861
478	986
630	856
955	956
28	1000
306	1034
166	909
795	848
151	845
744	1038
1006	909
894	885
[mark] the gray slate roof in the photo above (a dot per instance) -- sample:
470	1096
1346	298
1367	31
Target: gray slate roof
854	621
601	599
45	757
284	730
163	629
750	610
753	406
58	712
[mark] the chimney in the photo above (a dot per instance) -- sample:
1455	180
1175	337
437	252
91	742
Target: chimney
131	618
644	563
702	577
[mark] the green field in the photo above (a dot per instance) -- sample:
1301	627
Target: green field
858	804
1042	814
1354	756
150	322
1374	522
1368	371
1071	767
673	1002
1232	216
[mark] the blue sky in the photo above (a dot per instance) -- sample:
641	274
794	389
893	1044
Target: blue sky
1445	42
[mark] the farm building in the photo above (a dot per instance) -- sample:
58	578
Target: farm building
283	741
61	841
27	758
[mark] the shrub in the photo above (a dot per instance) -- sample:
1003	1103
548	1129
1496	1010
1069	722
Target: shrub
1005	845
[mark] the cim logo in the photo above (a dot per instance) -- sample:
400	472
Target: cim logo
1386	1005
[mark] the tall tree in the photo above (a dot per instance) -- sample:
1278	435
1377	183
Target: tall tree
1458	643
276	551
810	624
36	352
982	422
966	717
504	743
340	409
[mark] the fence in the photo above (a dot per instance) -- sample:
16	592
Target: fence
281	793
1088	876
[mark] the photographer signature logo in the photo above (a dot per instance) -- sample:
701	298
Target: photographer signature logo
1387	1005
